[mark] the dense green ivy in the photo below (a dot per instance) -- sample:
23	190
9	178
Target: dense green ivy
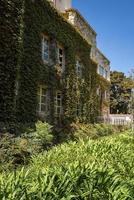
11	13
28	19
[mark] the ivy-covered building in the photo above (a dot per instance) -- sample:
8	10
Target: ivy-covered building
50	68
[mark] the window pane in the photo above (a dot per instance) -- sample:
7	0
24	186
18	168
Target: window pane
61	57
58	110
45	49
43	107
38	108
38	98
58	103
60	51
43	91
46	57
43	99
59	95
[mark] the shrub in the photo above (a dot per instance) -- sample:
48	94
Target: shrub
86	131
42	136
93	169
104	129
17	151
13	152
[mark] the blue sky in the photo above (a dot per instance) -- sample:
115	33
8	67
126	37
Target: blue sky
113	20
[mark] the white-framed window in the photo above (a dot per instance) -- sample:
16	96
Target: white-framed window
45	48
98	91
61	57
43	99
16	87
103	72
78	68
106	95
58	104
106	74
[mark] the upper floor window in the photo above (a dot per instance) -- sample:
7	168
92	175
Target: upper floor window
78	68
45	49
106	74
61	57
43	106
103	72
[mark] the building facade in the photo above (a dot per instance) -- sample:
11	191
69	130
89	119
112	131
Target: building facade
52	69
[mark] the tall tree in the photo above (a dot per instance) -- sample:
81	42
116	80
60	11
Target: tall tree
120	94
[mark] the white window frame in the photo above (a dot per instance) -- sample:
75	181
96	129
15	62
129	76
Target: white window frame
79	67
100	70
40	103
106	74
98	91
61	57
103	72
106	95
57	105
47	53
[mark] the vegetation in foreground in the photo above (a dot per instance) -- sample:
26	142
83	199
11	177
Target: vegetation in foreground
16	151
91	169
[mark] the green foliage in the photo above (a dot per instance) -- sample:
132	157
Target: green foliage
40	18
17	151
11	12
23	23
100	169
84	131
90	131
104	129
120	98
42	137
13	152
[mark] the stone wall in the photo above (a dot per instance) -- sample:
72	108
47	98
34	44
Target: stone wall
101	60
83	27
62	5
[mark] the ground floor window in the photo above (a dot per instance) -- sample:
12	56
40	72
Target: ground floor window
58	104
43	100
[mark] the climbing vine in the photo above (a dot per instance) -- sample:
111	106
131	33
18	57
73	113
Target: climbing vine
39	17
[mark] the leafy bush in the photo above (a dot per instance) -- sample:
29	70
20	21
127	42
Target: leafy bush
16	151
13	152
104	129
86	131
94	169
41	138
